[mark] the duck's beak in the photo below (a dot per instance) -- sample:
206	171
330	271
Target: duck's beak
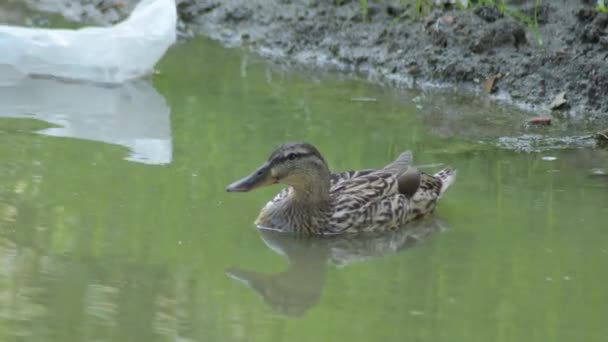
260	177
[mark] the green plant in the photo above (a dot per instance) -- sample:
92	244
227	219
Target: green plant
421	6
364	8
530	22
500	5
601	7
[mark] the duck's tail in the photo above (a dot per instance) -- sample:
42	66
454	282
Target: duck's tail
401	164
447	177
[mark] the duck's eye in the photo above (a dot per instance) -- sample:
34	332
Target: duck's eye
292	156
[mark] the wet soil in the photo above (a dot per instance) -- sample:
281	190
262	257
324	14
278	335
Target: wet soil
568	52
479	49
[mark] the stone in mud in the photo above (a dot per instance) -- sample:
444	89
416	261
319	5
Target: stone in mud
601	138
600	21
500	34
597	86
239	13
488	13
585	14
372	9
593	27
395	11
189	10
458	71
539	12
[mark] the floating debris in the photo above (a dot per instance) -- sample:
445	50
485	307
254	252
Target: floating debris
549	158
364	99
597	172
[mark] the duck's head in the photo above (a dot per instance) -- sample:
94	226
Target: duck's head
295	164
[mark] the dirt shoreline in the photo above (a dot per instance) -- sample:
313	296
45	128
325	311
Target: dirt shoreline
476	50
447	46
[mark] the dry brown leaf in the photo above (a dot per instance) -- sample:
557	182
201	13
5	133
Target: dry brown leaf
489	84
540	120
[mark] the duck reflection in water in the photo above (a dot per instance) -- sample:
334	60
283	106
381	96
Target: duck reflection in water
293	291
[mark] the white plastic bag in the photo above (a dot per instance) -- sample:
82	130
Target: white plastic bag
114	54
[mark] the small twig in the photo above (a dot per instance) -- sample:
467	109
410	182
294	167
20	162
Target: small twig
364	99
428	166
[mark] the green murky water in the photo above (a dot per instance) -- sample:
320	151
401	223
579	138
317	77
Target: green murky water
115	226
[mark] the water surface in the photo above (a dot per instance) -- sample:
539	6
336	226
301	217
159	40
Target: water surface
99	244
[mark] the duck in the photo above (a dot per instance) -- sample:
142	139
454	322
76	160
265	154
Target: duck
316	201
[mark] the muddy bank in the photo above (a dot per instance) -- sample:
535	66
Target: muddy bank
479	50
461	48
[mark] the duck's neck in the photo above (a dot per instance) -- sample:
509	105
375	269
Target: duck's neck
310	190
305	207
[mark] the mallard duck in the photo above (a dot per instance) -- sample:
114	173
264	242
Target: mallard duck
317	202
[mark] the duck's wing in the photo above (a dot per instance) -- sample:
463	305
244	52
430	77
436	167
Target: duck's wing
384	214
339	177
401	164
374	202
367	186
356	192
